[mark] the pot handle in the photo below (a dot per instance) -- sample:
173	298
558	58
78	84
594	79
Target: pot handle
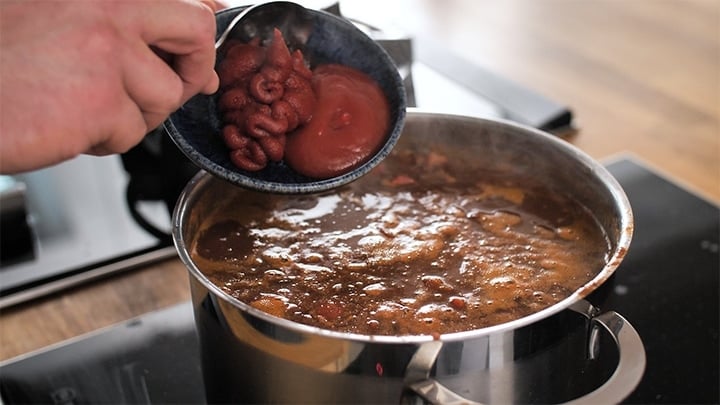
417	377
627	375
631	364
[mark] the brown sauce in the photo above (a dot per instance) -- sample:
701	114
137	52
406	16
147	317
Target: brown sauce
426	251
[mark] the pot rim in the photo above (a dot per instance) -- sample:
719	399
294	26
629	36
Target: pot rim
625	220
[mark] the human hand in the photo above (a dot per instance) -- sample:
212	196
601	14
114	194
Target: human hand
96	76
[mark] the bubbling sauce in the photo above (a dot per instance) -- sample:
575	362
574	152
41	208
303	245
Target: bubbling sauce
426	251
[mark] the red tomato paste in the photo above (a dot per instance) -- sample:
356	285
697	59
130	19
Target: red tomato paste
347	127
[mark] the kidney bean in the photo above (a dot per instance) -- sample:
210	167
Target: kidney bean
271	305
266	93
251	157
436	283
329	310
458	303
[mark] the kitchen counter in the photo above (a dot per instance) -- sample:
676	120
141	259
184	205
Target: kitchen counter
641	77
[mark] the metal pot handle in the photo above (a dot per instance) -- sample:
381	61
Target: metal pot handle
631	364
629	371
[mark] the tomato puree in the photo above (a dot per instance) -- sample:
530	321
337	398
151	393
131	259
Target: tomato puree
348	125
322	123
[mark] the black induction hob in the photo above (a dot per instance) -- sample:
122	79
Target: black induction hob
667	287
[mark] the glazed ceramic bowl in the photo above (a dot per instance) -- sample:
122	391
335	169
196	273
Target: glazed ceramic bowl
196	126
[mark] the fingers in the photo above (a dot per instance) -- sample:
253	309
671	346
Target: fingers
150	82
215	5
128	129
193	69
171	56
185	29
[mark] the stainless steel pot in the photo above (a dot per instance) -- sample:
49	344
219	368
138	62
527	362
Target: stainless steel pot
567	352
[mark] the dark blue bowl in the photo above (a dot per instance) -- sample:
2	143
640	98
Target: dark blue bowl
196	126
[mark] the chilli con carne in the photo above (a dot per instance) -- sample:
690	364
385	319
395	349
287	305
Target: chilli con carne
427	251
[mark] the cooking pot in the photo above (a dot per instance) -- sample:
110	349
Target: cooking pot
568	352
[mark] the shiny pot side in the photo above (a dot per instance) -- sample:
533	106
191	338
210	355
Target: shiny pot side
549	356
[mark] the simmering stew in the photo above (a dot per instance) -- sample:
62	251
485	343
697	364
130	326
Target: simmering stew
418	246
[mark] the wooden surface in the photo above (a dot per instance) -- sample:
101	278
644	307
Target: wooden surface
642	76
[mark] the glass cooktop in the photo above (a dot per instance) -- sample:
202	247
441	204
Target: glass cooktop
667	287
